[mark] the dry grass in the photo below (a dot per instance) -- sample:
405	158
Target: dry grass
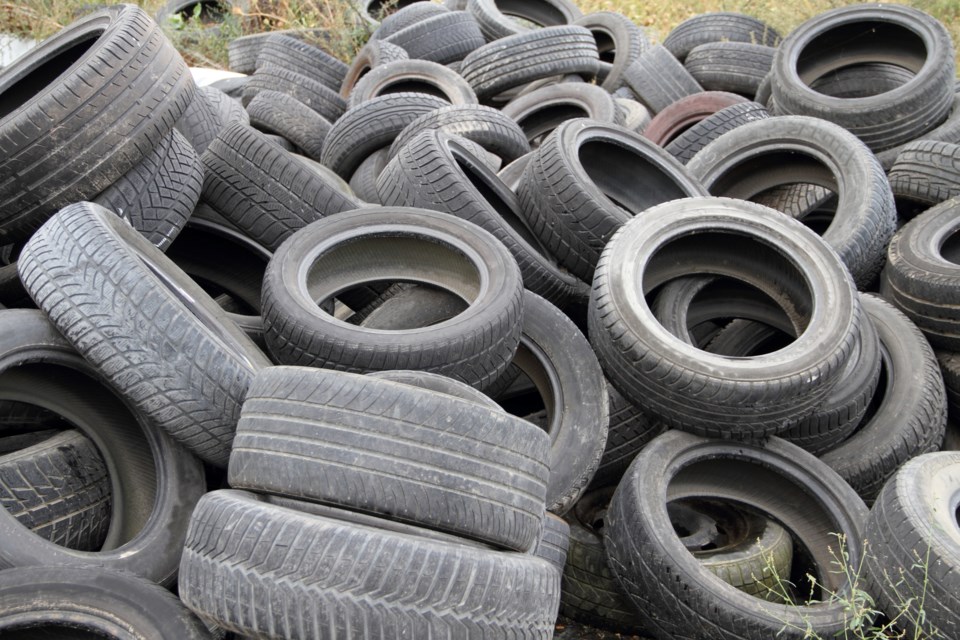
202	46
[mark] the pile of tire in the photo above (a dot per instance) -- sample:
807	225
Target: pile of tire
515	314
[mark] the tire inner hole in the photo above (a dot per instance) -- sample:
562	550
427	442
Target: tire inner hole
414	85
606	45
541	121
53	631
950	249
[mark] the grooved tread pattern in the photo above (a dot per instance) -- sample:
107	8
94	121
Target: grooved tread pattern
691	141
630	429
442	38
90	126
209	112
658	79
316	95
129	325
262	189
926	172
59	489
488	127
719	26
394	450
284	115
262	570
291	53
159	193
738	67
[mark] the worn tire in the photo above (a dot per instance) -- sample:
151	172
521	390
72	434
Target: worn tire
738	67
619	42
413	76
658	79
925	174
719	26
283	115
296	55
687	112
540	112
209	112
486	126
689	143
316	95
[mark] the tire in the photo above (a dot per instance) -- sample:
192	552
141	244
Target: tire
406	305
913	568
277	113
439	384
950	368
61	601
482	478
407	16
722	397
435	171
554	541
821	45
676	596
371	55
583	184
685	113
636	117
686	145
413	76
149	329
243	52
925	174
461	586
363	182
443	38
154	484
908	415
750	159
264	191
630	429
484	337
84	84
59	489
490	128
525	57
496	18
619	43
371	125
315	95
590	592
922	274
210	110
737	67
541	111
949	131
658	79
160	192
862	80
295	55
720	26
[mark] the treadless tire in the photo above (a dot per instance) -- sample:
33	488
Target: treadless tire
264	191
88	602
760	156
658	79
584	183
413	76
390	244
153	483
328	584
676	596
701	392
685	113
690	142
922	276
896	34
619	43
914	564
144	324
81	109
394	450
160	192
719	26
277	113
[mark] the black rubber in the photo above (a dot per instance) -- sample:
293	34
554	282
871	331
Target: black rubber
691	141
908	415
914	563
436	171
371	125
738	67
316	95
658	79
210	110
294	54
687	112
59	489
438	383
619	42
496	17
283	115
160	192
363	182
406	16
77	602
636	117
540	112
948	131
950	368
263	190
370	56
532	55
81	109
693	390
922	276
413	76
773	152
144	324
630	429
900	35
328	583
153	483
351	249
488	127
443	38
554	541
925	174
584	183
390	449
719	26
674	594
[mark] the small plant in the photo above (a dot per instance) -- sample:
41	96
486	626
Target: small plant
862	620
